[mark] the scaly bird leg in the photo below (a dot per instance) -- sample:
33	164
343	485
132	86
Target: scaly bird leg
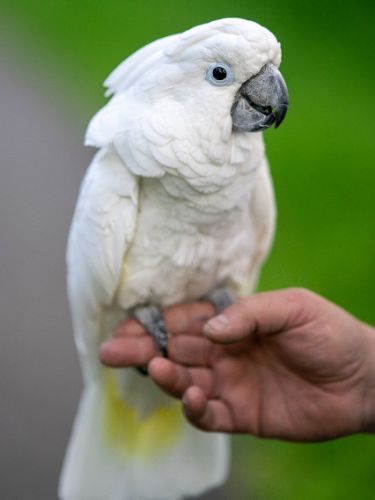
151	318
220	298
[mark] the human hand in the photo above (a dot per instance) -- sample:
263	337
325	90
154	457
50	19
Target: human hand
286	364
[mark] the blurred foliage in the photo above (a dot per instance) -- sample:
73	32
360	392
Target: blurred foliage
322	159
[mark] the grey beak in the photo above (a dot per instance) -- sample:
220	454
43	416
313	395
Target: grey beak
261	101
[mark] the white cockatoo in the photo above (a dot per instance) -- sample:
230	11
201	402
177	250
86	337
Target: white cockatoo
176	204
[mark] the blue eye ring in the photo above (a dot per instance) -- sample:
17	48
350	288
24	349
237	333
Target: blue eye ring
220	74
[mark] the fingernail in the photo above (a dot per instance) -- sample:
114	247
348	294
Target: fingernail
216	324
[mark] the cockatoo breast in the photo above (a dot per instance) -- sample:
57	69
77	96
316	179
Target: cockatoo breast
189	241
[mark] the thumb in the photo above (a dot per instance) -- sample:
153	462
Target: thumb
260	315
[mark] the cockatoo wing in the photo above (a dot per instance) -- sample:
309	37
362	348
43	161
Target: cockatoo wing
102	229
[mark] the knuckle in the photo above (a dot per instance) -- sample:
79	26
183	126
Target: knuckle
305	304
300	295
237	314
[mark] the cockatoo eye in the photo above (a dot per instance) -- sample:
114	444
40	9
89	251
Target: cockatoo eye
220	74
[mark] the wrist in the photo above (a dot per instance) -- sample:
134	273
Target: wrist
369	382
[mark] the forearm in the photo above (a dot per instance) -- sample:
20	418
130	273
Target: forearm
369	381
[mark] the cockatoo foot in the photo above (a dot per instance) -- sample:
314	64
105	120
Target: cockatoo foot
152	320
220	298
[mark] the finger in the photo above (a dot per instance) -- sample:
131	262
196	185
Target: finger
190	351
181	319
261	315
125	352
130	328
206	414
175	379
188	319
171	378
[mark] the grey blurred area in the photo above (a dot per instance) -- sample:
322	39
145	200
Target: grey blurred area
41	164
42	161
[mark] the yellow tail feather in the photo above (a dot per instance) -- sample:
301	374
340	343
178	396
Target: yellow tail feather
131	436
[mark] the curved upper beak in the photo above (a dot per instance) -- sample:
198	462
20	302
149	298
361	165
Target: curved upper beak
261	101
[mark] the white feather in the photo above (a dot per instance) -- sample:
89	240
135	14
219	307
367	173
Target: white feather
129	71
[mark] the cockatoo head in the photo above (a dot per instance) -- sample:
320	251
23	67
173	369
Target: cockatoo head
212	81
227	67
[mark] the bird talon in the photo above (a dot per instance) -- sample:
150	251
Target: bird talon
142	370
152	320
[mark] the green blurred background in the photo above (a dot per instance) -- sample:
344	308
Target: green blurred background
322	160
